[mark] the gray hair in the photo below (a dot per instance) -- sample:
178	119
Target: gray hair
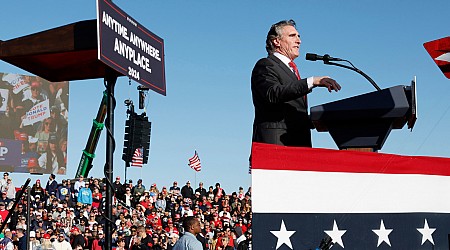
275	32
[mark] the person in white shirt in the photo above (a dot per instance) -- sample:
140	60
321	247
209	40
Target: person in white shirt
79	184
61	243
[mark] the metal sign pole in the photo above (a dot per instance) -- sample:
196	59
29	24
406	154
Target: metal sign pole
110	81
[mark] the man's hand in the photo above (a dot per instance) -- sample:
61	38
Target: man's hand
327	82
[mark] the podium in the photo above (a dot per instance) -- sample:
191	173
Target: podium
365	121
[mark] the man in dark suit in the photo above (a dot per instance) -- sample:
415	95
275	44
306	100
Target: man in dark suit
279	94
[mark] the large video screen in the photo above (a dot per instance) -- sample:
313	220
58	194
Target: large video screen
33	124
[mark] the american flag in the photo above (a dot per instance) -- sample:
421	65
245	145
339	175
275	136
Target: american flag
439	50
138	158
194	162
360	200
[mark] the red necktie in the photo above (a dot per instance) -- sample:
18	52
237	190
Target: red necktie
294	67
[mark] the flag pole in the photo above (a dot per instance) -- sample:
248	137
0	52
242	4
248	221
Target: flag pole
195	173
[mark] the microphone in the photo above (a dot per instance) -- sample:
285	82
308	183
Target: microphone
326	57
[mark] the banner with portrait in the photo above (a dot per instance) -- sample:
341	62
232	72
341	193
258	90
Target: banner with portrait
33	124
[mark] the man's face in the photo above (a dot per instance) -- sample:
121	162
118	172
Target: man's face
197	227
63	146
289	42
52	146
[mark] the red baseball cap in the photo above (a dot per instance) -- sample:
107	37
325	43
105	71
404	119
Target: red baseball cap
23	137
32	162
47	236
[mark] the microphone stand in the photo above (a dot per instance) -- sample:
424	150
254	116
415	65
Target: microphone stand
325	244
354	69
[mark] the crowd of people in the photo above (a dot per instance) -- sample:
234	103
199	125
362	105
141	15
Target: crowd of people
70	215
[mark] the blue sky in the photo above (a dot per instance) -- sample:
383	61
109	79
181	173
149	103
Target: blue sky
210	50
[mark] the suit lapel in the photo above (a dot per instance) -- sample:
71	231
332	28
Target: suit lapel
283	67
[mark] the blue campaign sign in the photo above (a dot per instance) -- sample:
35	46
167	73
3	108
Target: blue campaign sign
10	153
129	48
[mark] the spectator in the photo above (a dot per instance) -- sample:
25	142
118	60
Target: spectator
61	243
138	190
94	184
96	198
3	211
210	192
52	185
173	238
130	239
120	244
144	241
118	188
4	198
4	180
218	191
85	195
128	197
175	189
187	191
79	184
15	217
153	192
63	191
46	243
7	242
224	244
77	238
201	190
22	245
99	241
240	195
37	190
160	203
9	189
34	243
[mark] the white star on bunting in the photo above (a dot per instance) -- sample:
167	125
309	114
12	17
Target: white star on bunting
383	234
336	234
427	232
283	236
444	57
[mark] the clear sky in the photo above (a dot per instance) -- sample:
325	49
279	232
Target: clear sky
210	50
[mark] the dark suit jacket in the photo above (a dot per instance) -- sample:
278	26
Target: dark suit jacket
281	115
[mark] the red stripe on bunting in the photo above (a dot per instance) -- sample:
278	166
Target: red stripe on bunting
275	157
